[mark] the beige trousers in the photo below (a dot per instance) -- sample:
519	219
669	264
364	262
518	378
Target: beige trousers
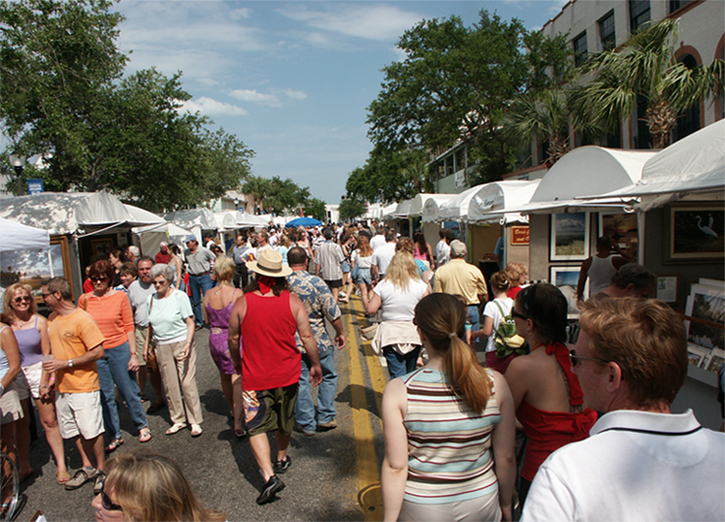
179	377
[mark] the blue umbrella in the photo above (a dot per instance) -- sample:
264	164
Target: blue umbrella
303	222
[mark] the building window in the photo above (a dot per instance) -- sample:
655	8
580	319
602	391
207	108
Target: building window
606	32
639	13
580	48
676	4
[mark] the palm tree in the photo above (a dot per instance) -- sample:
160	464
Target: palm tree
644	67
259	188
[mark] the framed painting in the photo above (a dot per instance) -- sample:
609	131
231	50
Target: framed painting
560	276
706	307
569	237
696	233
621	229
101	246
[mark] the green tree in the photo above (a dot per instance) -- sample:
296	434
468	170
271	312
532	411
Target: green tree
456	83
258	188
351	208
389	176
285	195
63	94
644	67
315	208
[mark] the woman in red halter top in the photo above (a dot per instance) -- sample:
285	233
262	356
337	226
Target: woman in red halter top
548	398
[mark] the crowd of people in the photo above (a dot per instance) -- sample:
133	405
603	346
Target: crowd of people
449	422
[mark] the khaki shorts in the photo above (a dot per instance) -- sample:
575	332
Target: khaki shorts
10	409
270	410
28	381
79	414
140	332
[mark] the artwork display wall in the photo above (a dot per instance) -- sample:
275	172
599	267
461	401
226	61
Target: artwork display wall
706	341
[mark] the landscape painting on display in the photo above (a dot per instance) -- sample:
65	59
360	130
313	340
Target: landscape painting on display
569	237
697	233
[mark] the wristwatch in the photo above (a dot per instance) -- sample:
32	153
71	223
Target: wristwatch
70	363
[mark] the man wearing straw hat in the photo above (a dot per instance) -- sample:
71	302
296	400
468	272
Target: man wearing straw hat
267	317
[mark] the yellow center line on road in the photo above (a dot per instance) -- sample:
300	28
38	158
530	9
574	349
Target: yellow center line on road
367	459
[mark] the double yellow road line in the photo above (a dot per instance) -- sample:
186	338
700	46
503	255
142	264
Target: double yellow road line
368	463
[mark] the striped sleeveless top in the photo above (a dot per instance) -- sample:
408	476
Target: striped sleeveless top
449	446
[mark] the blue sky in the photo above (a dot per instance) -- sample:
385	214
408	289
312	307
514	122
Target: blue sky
292	80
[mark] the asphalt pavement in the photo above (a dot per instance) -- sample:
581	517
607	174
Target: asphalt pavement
332	473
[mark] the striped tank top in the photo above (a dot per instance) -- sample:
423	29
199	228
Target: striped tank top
449	446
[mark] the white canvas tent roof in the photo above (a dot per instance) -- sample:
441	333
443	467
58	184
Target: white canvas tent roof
248	220
432	204
69	213
491	203
696	163
152	235
586	171
226	220
403	208
418	202
142	215
457	209
202	218
22	237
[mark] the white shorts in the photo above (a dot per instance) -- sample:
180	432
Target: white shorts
28	381
79	413
10	409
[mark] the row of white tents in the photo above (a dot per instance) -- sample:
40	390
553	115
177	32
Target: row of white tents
589	178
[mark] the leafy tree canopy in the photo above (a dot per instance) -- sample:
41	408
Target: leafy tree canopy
351	208
316	208
456	83
276	195
64	97
389	176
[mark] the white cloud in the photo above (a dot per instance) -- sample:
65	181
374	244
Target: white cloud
297	95
211	107
372	22
243	12
210	82
253	96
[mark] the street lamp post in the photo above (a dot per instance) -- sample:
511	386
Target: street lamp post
18	162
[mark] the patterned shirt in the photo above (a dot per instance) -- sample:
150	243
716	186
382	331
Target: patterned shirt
319	304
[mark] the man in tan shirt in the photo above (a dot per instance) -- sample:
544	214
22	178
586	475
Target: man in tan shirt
460	278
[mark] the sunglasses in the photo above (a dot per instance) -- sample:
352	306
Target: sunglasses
45	296
514	313
22	299
107	504
159	283
576	358
98	279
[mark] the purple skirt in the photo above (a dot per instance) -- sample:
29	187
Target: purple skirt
219	348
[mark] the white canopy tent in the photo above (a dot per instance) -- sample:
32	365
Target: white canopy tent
75	213
142	215
586	171
418	202
431	207
695	164
248	220
493	201
403	209
151	236
226	220
22	237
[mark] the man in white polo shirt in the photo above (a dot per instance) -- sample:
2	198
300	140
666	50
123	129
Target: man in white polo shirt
382	256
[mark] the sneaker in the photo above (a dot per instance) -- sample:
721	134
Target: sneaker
306	433
281	466
100	480
273	486
81	476
329	425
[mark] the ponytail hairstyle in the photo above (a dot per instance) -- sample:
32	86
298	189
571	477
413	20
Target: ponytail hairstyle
442	318
500	282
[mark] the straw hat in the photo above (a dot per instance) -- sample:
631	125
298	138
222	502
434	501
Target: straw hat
269	263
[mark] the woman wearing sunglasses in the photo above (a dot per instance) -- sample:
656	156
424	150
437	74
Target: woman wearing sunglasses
117	368
548	398
147	487
31	332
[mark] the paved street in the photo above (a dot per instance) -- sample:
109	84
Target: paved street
327	473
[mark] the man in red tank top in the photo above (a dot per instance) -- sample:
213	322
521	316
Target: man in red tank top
267	319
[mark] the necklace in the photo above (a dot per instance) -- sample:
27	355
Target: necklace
20	323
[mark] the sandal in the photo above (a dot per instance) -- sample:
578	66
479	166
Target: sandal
114	445
144	435
61	477
176	428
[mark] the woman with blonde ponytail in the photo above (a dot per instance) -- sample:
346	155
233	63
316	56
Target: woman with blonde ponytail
449	429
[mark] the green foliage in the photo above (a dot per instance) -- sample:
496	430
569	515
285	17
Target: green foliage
389	176
456	83
63	94
351	208
275	195
645	67
315	208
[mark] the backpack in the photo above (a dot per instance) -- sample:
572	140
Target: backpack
507	341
